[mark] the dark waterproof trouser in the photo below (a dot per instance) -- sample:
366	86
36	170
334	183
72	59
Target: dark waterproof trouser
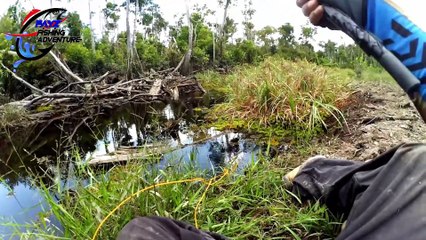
382	199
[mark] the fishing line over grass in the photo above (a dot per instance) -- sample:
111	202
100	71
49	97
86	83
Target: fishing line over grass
249	205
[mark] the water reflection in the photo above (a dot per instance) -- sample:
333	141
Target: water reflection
18	206
25	155
215	153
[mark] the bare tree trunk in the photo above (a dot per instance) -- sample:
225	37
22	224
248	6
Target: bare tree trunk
225	15
222	28
91	29
51	3
135	24
102	25
179	65
214	48
129	39
18	10
187	62
135	51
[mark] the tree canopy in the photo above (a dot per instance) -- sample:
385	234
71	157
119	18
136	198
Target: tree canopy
157	44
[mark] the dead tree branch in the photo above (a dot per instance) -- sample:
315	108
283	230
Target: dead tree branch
64	68
100	78
9	52
71	95
86	82
22	80
179	65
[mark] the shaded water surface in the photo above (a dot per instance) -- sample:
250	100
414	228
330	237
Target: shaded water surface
49	151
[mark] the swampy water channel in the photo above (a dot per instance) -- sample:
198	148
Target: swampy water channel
51	152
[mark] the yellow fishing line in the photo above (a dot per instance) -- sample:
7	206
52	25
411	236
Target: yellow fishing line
199	203
224	174
203	180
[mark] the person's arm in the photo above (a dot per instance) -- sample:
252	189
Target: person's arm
385	20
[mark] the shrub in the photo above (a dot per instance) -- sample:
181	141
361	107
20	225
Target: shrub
78	58
282	92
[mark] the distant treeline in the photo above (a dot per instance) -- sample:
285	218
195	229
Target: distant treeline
193	42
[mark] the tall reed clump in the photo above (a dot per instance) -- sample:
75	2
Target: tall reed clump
281	92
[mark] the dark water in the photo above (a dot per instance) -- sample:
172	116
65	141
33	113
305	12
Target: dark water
35	151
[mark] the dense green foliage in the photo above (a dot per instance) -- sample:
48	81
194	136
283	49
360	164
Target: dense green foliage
160	45
279	82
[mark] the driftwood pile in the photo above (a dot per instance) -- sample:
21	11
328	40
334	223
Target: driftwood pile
80	98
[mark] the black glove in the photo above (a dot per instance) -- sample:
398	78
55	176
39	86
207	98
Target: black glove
355	9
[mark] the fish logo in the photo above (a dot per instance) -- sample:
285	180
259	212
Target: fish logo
44	27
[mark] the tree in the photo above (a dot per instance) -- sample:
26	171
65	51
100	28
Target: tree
186	68
223	27
330	51
129	39
147	13
287	38
110	13
137	59
248	13
202	38
9	22
92	36
244	51
265	36
74	24
307	35
225	15
230	29
152	20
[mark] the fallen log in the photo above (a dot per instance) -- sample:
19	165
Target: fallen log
128	154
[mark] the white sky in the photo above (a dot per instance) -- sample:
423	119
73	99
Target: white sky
268	12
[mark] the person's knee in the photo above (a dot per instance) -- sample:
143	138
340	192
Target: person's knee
413	152
140	228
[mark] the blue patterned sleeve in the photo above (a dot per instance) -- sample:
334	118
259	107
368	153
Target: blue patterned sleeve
399	35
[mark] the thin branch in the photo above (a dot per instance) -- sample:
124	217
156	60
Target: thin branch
9	52
86	82
100	78
76	128
179	65
70	95
166	70
22	80
80	95
65	68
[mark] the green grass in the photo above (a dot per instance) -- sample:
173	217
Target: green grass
10	115
275	98
280	92
253	205
376	75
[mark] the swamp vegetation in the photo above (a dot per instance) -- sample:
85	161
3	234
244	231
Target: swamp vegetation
237	112
250	203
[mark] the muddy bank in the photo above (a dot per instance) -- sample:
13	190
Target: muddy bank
381	117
